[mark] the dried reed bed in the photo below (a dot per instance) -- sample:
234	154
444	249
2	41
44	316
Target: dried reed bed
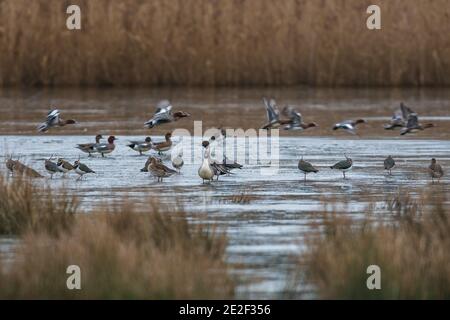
122	254
25	206
412	250
235	42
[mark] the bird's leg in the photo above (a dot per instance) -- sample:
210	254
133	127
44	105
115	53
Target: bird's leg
103	155
390	172
305	178
344	174
140	152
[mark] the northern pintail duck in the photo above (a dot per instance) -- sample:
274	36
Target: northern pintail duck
435	170
344	165
296	120
389	163
349	125
205	171
306	167
400	118
52	167
89	147
159	170
413	125
177	161
164	114
54	120
81	169
273	115
64	165
165	145
141	146
105	148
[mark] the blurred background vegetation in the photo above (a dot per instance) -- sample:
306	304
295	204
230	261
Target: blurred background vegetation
224	43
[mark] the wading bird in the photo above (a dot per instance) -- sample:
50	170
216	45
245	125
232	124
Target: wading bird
158	170
344	165
177	161
205	171
89	147
81	169
389	163
141	146
54	120
64	165
164	114
52	167
306	167
435	170
165	145
105	148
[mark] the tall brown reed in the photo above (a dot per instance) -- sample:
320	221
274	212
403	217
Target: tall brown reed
233	42
412	251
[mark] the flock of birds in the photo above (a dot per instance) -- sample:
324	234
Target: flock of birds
404	118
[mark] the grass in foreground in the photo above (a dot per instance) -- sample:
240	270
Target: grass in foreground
413	252
24	206
122	255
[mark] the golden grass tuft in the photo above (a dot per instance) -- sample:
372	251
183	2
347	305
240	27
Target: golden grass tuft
235	42
24	206
412	251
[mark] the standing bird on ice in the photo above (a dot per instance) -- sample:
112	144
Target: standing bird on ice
141	146
89	147
54	120
205	171
435	170
389	163
344	165
306	167
81	169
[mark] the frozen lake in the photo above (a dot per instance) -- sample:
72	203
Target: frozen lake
267	229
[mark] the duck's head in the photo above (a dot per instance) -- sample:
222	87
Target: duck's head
433	161
98	137
60	161
148	139
312	125
168	135
205	144
76	163
180	114
361	121
111	139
